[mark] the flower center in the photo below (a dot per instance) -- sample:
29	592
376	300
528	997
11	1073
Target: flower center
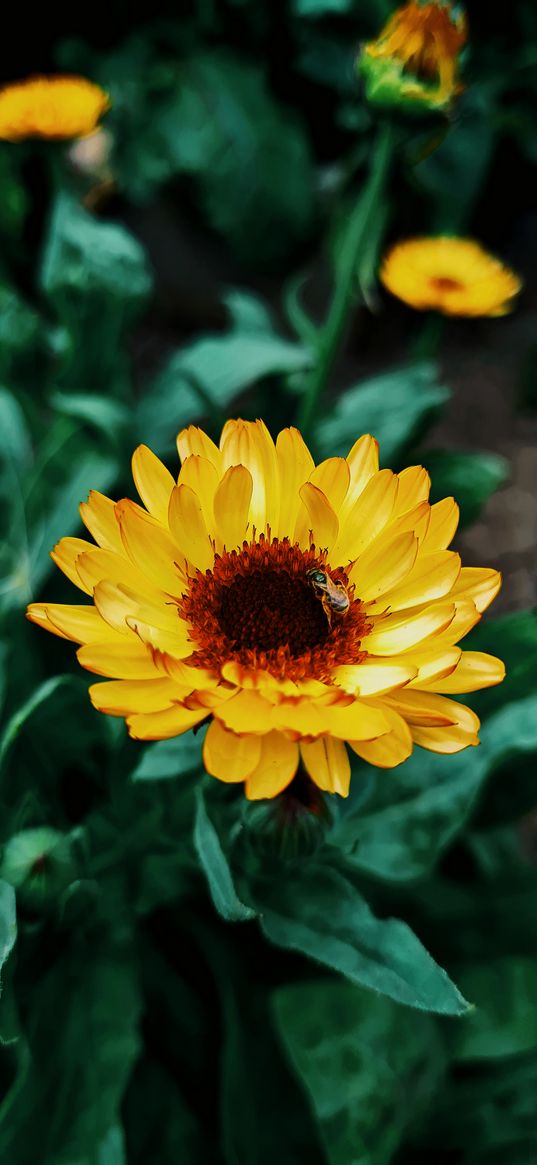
258	606
444	283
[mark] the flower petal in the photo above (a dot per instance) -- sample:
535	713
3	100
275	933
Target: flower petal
119	660
188	528
432	577
295	465
478	583
414	487
65	555
250	444
80	624
124	697
153	482
389	750
367	518
150	547
327	762
99	517
230	757
393	634
97	564
232	507
442	525
475	670
363	462
246	712
372	678
276	767
316	521
383	565
194	442
333	478
202	477
423	708
163	725
462	733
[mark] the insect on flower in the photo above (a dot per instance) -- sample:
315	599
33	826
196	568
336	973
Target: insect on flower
331	592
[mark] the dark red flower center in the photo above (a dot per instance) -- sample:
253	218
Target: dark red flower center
257	606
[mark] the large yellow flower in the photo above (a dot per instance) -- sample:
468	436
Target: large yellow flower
452	275
51	107
204	606
415	58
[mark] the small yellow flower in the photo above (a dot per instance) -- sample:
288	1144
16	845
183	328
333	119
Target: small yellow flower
453	276
223	597
415	59
51	107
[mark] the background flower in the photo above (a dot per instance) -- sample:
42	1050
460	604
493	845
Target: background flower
454	276
54	107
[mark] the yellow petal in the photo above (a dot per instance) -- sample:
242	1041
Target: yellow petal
432	577
357	721
327	763
246	712
423	708
363	462
250	444
461	734
383	565
437	662
80	624
194	442
367	518
117	603
188	527
316	520
163	725
65	555
333	478
392	635
389	750
304	719
229	757
275	769
232	506
201	476
466	616
150	547
96	565
478	583
99	517
176	643
414	487
124	697
373	678
121	660
442	525
189	677
474	671
295	464
153	482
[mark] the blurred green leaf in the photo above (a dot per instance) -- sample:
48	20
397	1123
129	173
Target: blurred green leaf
368	1066
504	1022
395	407
452	176
514	639
166	759
8	921
404	825
15	443
319	912
470	477
216	867
316	8
20	718
109	417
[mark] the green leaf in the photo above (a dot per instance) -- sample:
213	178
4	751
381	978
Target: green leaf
109	417
15	444
320	913
405	825
394	407
453	175
20	718
216	867
470	477
166	759
318	8
368	1067
504	1022
8	921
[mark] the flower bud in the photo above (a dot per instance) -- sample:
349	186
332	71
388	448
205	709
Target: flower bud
38	863
414	62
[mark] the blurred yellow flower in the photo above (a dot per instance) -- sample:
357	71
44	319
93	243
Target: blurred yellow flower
415	59
450	275
51	107
297	606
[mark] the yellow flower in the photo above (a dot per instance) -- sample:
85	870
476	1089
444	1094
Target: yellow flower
204	606
453	276
51	107
414	60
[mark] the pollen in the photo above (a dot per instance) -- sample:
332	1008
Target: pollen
258	607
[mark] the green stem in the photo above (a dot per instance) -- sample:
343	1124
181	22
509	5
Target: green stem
354	239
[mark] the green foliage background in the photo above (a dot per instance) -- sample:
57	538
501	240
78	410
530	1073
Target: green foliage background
182	978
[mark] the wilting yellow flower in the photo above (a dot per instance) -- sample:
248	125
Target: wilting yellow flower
415	59
51	107
204	606
453	276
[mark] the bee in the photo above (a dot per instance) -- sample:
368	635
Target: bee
332	593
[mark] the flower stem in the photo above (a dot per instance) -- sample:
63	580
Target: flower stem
352	243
